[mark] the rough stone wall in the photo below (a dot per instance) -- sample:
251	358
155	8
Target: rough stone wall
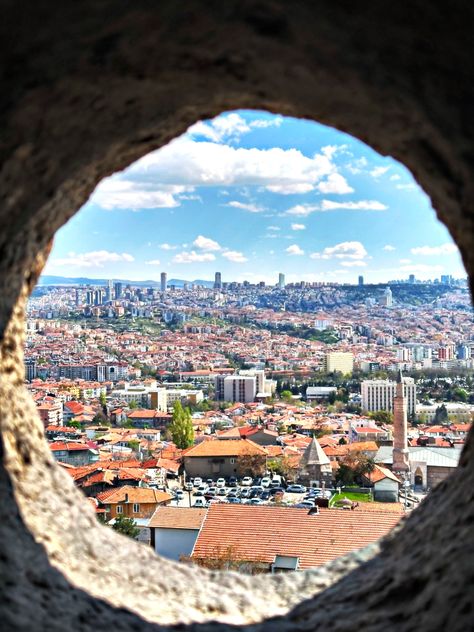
87	88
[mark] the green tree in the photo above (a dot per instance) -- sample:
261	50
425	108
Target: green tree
181	428
382	416
133	405
441	415
287	396
133	444
126	526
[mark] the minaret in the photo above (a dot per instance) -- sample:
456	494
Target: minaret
400	443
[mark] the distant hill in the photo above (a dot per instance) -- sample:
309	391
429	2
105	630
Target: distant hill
47	279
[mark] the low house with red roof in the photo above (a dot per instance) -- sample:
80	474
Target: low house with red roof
174	530
386	485
213	459
278	539
132	502
73	452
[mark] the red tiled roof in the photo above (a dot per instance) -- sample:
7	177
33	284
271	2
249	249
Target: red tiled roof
237	447
259	533
144	495
178	517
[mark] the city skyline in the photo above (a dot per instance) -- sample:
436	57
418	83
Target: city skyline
253	195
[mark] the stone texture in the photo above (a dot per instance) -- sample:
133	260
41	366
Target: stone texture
87	88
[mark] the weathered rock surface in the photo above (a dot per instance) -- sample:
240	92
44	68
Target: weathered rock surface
87	88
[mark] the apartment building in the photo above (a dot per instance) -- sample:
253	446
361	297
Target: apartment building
379	394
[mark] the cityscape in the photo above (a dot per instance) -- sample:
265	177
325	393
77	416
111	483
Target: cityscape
252	382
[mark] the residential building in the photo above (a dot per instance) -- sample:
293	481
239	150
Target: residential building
339	361
379	395
132	502
163	281
218	281
174	530
314	393
240	388
279	539
73	452
213	459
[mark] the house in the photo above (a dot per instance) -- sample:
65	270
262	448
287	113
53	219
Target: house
132	502
386	485
174	530
73	452
278	539
212	459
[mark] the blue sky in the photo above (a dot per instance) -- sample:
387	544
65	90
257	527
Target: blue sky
252	194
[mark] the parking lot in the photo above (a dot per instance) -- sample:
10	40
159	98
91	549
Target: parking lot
201	493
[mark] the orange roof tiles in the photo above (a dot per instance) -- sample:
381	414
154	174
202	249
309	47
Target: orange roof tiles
178	517
259	533
236	447
144	495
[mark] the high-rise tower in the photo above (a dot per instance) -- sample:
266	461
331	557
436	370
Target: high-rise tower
218	281
281	280
164	280
400	428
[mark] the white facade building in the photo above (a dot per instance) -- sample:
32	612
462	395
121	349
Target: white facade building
379	394
240	388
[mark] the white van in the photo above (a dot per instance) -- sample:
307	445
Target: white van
201	502
276	481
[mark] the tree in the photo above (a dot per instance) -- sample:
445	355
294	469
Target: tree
126	526
133	444
382	416
441	415
133	405
181	428
287	396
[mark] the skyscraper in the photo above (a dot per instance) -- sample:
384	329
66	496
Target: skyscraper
281	280
361	280
164	281
387	298
118	290
400	428
218	281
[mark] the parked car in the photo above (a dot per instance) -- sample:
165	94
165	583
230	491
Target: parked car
199	494
245	492
179	494
276	481
200	502
256	490
266	495
233	500
246	481
276	491
265	482
296	489
188	486
232	493
255	501
232	481
197	481
221	491
306	504
220	482
210	482
212	490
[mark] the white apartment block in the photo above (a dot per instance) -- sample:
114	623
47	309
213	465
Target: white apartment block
240	388
379	394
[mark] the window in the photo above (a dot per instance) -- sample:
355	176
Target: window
232	461
119	509
136	508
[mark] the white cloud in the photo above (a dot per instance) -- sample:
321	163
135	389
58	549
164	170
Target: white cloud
376	172
234	256
406	187
205	243
153	262
193	257
358	165
94	259
230	126
115	193
294	249
363	205
389	248
303	210
274	228
421	267
345	250
298	227
394	177
168	247
335	183
291	188
405	261
251	208
429	251
353	264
